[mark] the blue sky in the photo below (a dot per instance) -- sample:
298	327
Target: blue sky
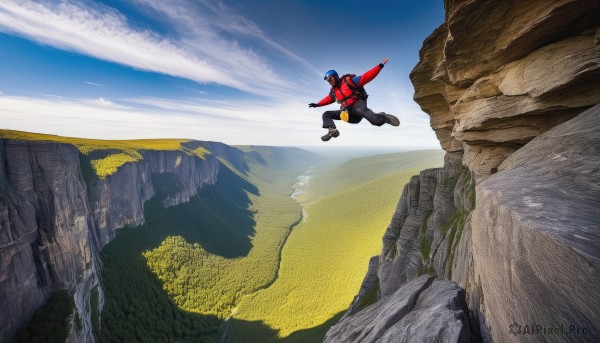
238	72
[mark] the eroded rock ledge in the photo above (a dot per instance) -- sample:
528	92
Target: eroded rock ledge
423	310
497	74
429	237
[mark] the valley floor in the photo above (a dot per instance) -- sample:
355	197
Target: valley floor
282	268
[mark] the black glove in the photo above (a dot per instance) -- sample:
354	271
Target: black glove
312	104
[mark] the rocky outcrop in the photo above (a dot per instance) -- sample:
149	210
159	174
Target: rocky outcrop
422	310
56	215
118	200
493	77
45	226
512	217
537	237
426	226
429	235
524	243
497	74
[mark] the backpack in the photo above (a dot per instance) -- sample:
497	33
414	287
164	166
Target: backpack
358	91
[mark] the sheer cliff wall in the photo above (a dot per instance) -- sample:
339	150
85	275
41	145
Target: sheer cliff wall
513	217
497	74
56	215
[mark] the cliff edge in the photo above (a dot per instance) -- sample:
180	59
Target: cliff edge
513	216
56	214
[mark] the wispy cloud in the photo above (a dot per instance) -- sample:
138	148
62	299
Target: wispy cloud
202	48
204	41
211	18
103	102
93	84
193	90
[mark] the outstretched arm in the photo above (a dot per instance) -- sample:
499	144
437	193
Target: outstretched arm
325	101
369	75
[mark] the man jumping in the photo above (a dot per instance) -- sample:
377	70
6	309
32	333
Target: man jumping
350	93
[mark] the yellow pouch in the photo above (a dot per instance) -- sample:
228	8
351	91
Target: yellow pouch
344	116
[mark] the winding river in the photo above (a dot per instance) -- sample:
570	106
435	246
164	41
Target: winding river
300	187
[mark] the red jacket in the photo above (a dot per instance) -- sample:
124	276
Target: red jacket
343	94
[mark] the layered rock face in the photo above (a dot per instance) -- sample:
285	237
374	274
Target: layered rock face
55	218
427	225
428	237
507	85
119	199
537	235
408	315
45	227
493	77
497	74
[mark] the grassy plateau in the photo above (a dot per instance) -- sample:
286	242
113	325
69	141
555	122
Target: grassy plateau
111	154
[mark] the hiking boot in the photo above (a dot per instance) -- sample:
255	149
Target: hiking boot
333	132
390	119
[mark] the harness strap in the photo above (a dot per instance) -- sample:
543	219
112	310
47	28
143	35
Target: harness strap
355	90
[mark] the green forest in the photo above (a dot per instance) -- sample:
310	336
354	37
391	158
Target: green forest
178	276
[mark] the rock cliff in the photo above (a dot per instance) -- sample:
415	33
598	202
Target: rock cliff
408	314
497	74
512	217
56	215
45	222
536	234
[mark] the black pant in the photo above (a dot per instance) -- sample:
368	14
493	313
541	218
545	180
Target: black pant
356	112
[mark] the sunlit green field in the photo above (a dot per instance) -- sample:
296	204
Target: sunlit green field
326	256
